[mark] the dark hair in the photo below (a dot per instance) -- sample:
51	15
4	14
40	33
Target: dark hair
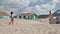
11	13
49	11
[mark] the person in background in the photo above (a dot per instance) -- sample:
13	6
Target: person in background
51	19
12	19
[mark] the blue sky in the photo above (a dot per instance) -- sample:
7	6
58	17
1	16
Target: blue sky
24	6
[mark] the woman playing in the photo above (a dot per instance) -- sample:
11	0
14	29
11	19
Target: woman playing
12	19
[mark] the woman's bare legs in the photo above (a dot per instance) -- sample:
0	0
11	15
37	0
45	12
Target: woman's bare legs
11	22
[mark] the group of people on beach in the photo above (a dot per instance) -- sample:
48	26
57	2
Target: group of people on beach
12	18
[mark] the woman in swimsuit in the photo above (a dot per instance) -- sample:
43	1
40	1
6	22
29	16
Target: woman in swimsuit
51	20
12	19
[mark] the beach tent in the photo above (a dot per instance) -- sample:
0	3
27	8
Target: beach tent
4	15
57	15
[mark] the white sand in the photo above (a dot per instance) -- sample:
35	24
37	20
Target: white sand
22	26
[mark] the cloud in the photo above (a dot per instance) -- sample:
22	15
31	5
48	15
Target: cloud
33	0
45	8
16	3
28	10
1	6
41	0
56	1
51	5
6	5
37	9
19	3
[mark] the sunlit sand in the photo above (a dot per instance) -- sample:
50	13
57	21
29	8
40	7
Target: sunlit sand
25	26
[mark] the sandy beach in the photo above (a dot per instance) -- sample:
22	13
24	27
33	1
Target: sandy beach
23	26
